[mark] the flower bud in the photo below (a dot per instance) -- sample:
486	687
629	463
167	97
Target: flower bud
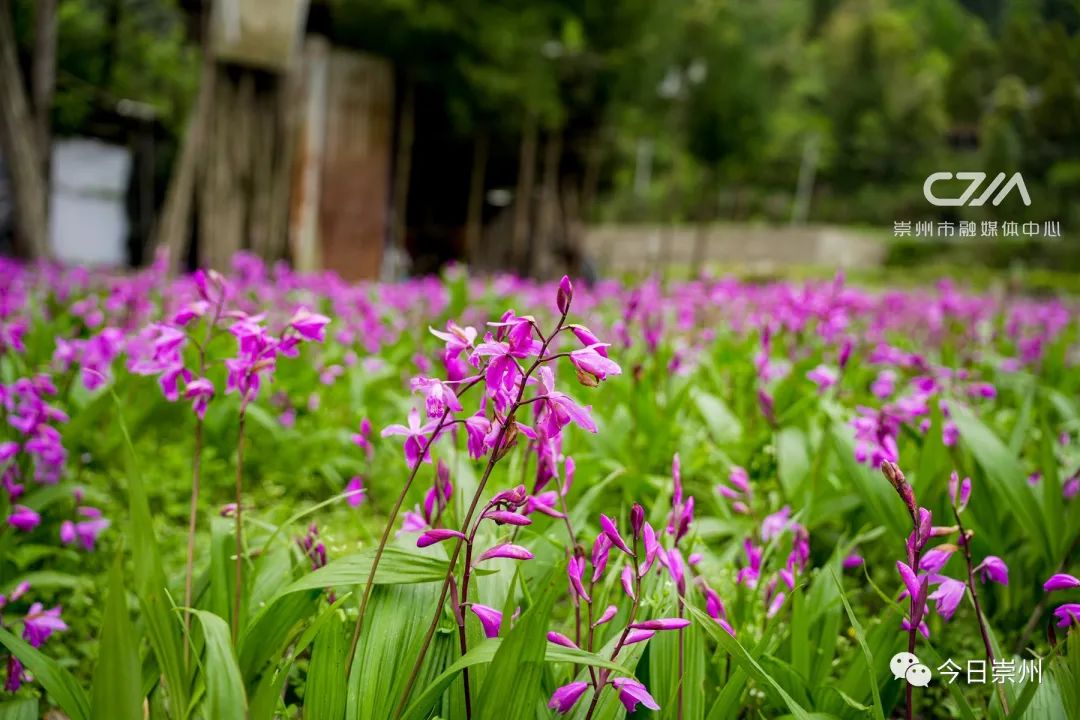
637	519
565	295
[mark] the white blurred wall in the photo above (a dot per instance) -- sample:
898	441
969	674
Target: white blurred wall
88	219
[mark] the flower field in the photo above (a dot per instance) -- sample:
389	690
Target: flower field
262	494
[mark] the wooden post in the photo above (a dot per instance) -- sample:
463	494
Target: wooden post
43	83
519	242
549	207
403	167
19	140
474	219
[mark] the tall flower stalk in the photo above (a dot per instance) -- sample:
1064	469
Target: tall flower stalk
499	358
916	589
958	496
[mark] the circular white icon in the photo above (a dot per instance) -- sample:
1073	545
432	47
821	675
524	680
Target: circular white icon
918	675
900	663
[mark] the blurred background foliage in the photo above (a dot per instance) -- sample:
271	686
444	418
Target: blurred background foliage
724	101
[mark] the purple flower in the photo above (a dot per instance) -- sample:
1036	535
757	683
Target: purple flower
437	535
438	397
612	533
627	580
575	568
775	523
490	619
565	697
852	561
560	639
355	492
586	337
948	596
593	367
15	675
505	517
1071	488
636	636
1068	614
415	438
959	491
557	409
632	692
1061	581
564	295
661	624
911	582
994	568
933	560
823	376
200	391
23	518
601	550
477	429
39	624
309	325
606	616
506	550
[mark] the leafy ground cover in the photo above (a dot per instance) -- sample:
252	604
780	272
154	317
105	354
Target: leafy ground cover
265	494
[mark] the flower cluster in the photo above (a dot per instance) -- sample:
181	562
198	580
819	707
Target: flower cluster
38	624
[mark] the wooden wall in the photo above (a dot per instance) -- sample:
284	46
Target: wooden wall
340	210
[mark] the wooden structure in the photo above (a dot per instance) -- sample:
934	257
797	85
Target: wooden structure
288	151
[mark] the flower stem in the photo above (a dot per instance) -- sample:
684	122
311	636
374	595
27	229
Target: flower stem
239	528
622	638
390	522
965	544
193	519
465	574
496	453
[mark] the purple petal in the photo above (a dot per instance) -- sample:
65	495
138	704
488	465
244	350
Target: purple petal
612	532
1061	581
437	535
661	624
506	550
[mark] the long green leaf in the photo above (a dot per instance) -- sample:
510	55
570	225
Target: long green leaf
324	696
58	682
1006	479
397	567
743	658
225	696
117	690
860	637
163	627
511	691
22	709
874	491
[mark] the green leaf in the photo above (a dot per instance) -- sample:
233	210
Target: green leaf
723	426
397	567
511	690
1006	478
225	696
860	637
117	691
878	496
397	618
324	696
57	681
745	660
793	461
162	626
22	709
